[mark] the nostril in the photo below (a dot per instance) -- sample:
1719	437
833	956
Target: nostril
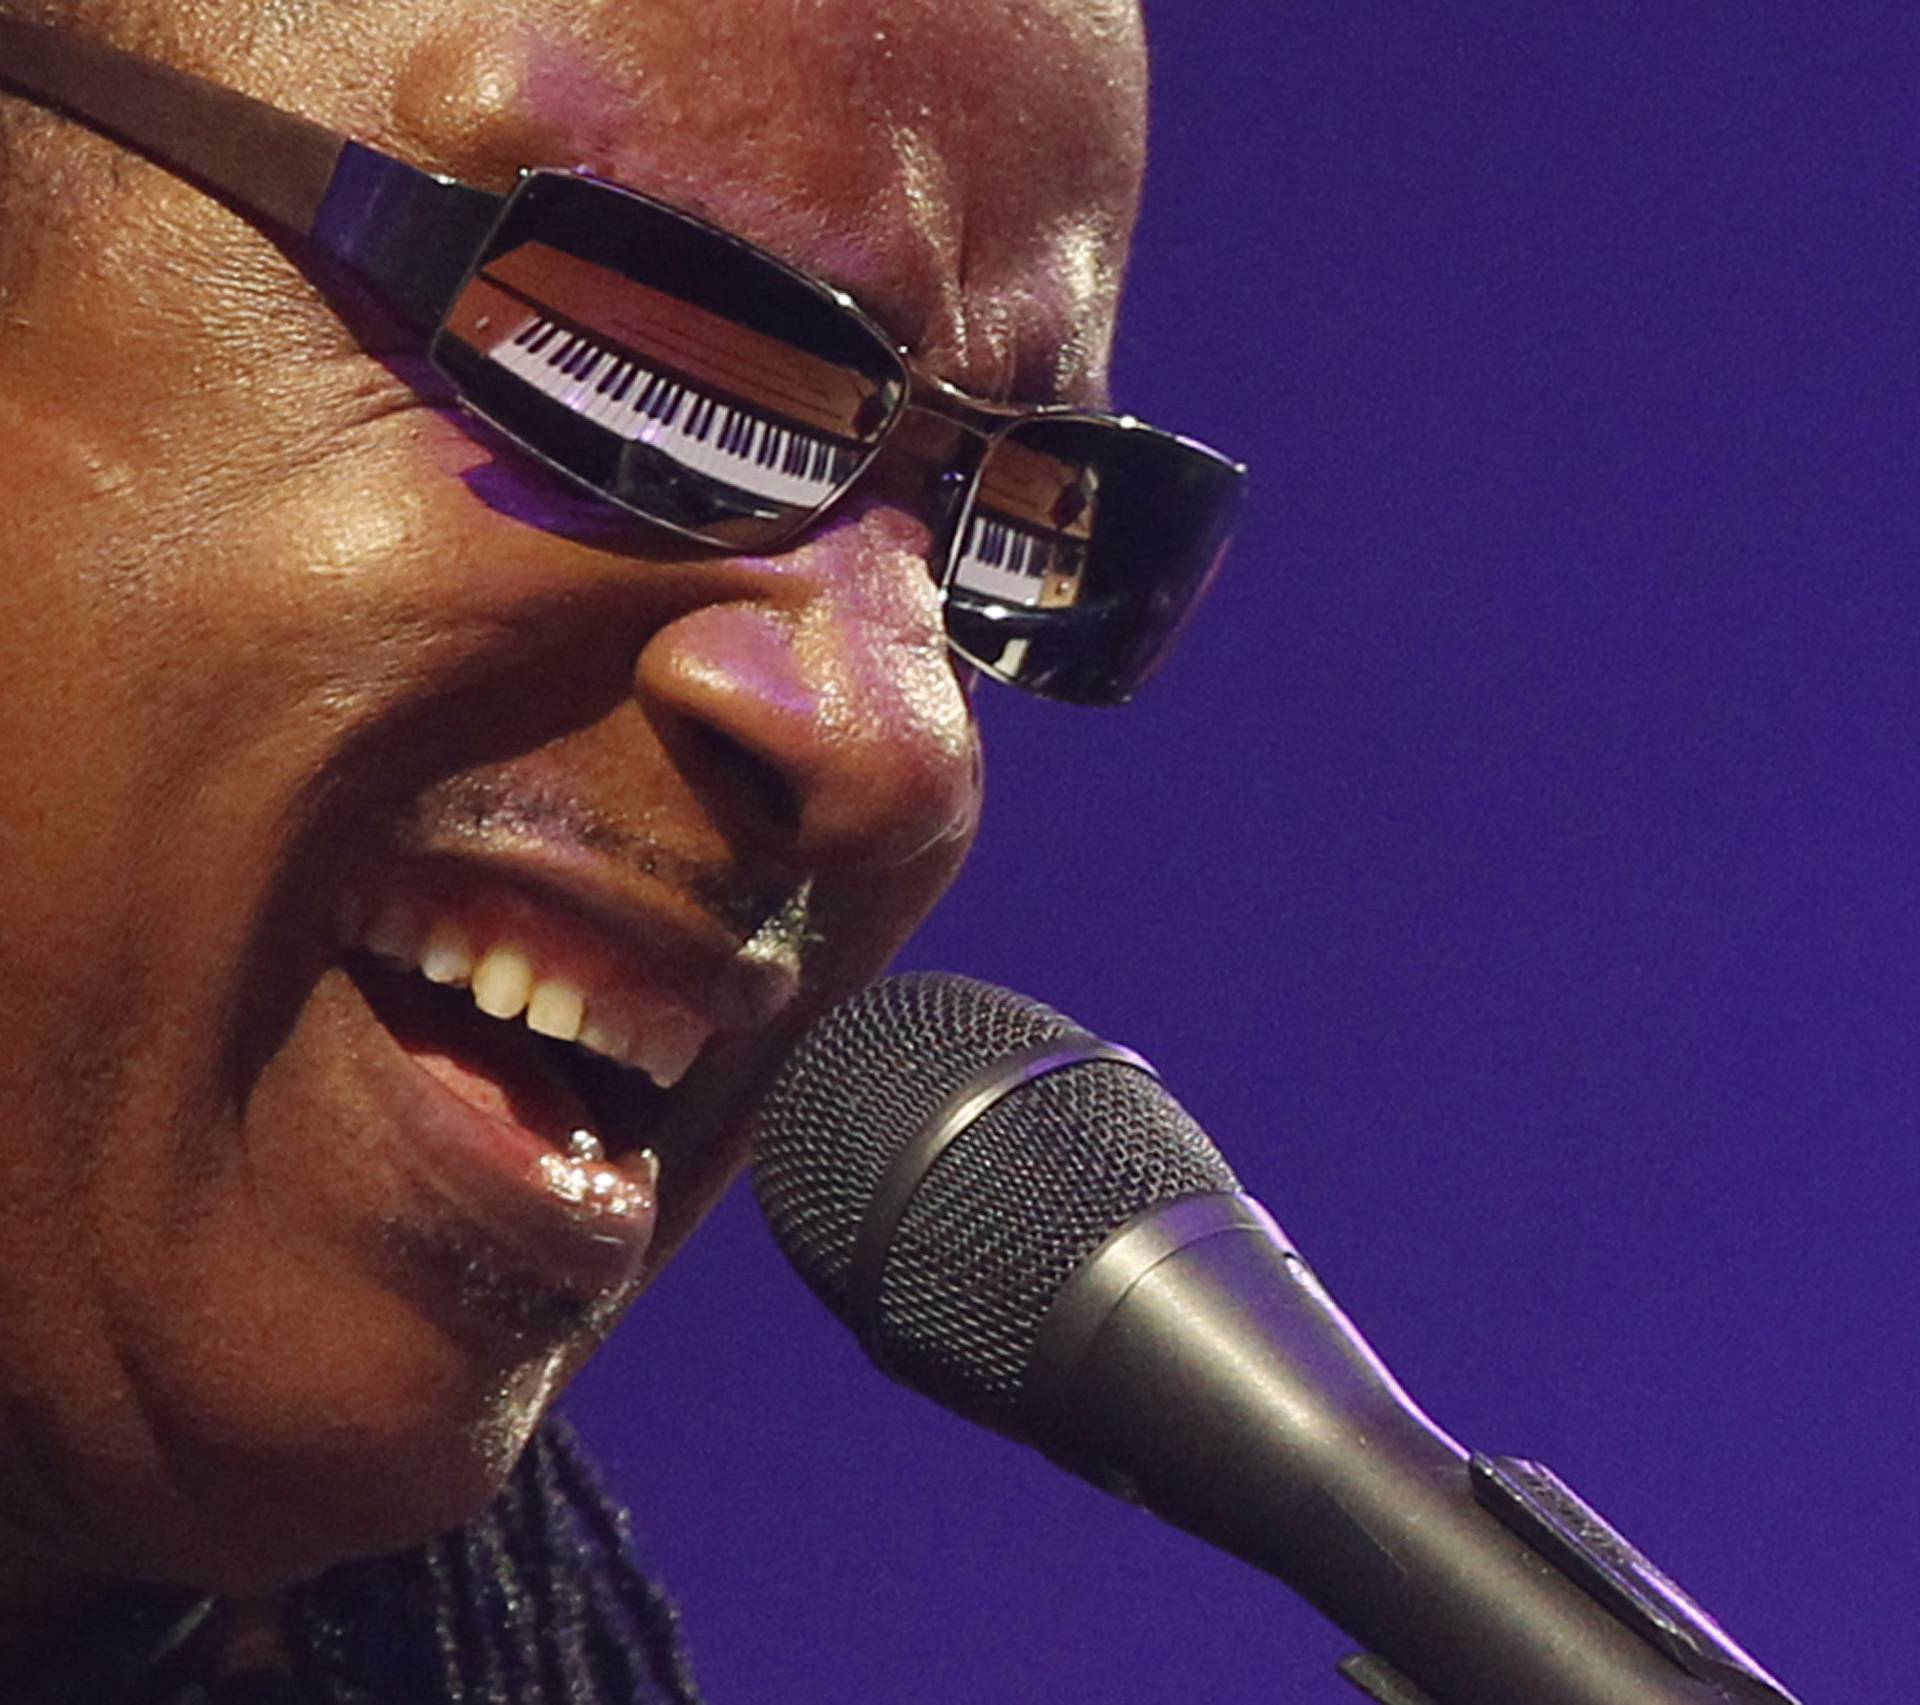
827	735
737	777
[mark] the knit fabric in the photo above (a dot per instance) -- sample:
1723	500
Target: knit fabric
537	1602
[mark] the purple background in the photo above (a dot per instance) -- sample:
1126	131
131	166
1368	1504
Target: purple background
1516	872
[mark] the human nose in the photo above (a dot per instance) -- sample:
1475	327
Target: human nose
822	707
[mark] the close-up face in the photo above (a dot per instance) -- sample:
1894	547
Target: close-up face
332	720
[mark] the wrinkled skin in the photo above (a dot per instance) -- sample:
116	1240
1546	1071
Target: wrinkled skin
265	607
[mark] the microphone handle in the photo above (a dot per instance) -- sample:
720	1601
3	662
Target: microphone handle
1195	1365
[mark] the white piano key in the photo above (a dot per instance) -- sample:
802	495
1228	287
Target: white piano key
602	406
749	451
998	560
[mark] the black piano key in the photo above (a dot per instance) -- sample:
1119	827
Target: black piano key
627	396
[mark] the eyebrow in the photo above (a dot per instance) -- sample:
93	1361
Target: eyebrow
350	201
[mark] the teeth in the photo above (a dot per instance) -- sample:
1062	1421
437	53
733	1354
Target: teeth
608	1036
557	1009
666	1048
502	981
637	1029
447	956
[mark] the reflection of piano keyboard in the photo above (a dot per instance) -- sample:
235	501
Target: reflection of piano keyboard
999	560
779	464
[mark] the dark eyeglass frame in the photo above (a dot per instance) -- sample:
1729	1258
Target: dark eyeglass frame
415	240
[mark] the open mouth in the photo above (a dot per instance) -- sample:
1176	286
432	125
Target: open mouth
546	1054
526	1014
508	1071
539	1018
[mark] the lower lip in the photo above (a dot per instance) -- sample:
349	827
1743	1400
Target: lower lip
510	1184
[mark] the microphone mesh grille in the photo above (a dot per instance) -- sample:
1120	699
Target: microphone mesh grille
1012	1208
1019	1199
865	1079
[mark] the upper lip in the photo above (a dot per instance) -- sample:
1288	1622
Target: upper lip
500	818
729	953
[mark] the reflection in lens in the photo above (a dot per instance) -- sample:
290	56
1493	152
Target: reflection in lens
735	416
1086	544
1025	541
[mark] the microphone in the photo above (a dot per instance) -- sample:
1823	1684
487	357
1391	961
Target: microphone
1019	1221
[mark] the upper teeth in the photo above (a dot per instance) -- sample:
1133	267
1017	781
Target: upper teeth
644	1030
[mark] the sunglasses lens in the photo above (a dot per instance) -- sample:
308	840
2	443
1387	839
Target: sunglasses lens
675	370
1081	551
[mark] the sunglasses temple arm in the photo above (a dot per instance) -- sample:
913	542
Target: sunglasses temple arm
410	236
271	164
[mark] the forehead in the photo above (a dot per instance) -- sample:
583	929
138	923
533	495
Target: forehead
968	168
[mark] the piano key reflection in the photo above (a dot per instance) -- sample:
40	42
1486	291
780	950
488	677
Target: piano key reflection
706	396
1025	540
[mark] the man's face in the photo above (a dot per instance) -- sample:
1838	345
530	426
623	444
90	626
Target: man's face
296	667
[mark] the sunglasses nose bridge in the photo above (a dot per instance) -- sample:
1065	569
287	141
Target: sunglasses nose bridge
923	466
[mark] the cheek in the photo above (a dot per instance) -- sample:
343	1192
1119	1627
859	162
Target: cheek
181	663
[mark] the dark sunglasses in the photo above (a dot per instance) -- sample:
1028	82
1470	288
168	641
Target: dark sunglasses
697	381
